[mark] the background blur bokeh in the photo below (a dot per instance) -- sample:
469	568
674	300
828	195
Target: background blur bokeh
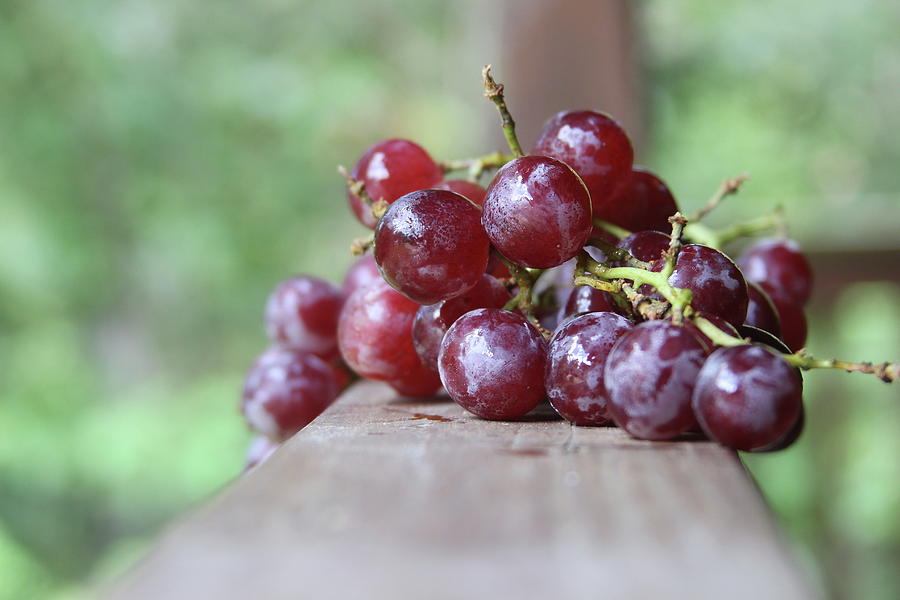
163	164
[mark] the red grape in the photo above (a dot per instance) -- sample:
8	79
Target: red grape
761	311
492	364
716	320
717	284
792	319
471	191
420	382
761	336
643	202
649	377
432	321
585	299
390	169
430	245
747	397
302	313
647	246
375	332
779	264
596	147
362	272
537	212
790	437
285	390
575	361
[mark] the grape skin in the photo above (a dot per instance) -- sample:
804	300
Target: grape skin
643	202
781	266
716	282
747	397
430	245
471	191
362	272
761	311
492	364
285	390
575	363
537	212
302	313
649	379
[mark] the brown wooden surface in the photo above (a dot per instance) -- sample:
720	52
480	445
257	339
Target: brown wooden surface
391	498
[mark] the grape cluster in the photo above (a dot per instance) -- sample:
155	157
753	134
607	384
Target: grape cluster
571	278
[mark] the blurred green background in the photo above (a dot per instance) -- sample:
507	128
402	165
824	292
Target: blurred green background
164	164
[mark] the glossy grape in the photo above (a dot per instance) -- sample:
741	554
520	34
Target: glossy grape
649	379
761	336
302	313
433	320
761	311
792	319
575	363
537	212
471	191
790	437
390	169
643	202
716	320
717	284
596	147
746	397
361	273
430	245
492	364
780	265
420	382
647	246
375	332
585	299
285	390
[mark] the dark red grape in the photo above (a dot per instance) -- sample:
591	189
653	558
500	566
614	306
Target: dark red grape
781	266
390	169
375	332
260	449
649	377
285	390
362	272
647	246
747	397
472	191
497	268
643	202
761	311
492	364
790	437
596	147
575	362
716	282
430	245
585	299
433	320
420	382
302	313
792	319
537	212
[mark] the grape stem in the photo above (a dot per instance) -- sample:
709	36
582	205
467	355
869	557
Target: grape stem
617	254
887	372
493	91
476	166
619	232
525	279
727	188
669	257
703	234
358	189
360	245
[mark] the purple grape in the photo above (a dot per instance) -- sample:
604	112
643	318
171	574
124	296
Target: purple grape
649	379
716	282
747	397
492	364
647	246
430	245
302	313
537	212
585	299
780	265
575	362
642	202
761	311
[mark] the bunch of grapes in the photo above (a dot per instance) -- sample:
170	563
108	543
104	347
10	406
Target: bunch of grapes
572	278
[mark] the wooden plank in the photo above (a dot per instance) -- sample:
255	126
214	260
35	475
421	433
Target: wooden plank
393	498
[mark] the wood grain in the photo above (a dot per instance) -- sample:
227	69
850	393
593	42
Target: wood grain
392	498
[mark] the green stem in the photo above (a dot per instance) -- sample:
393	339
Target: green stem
618	254
476	166
619	232
773	220
887	372
676	296
358	189
494	92
727	188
